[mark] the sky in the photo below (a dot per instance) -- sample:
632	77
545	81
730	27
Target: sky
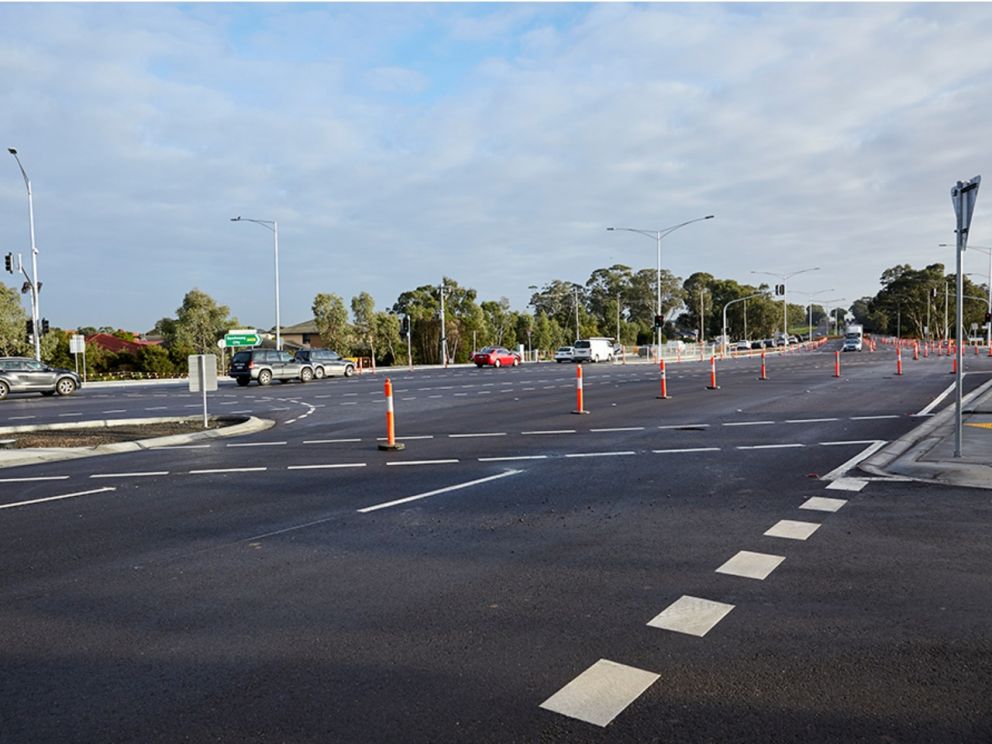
491	143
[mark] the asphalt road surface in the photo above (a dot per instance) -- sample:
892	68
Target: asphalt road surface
695	569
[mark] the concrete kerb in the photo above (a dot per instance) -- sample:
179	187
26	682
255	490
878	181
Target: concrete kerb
35	455
903	456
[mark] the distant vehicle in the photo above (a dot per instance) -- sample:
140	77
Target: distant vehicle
565	354
596	349
793	340
853	337
768	343
495	356
742	346
266	365
26	375
618	352
852	344
759	344
326	363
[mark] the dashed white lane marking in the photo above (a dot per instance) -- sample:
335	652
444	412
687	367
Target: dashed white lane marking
57	498
620	428
601	454
849	441
691	615
550	431
35	478
810	420
421	462
247	410
750	565
847	484
685	426
329	441
768	446
446	489
821	503
481	434
435	396
70	414
601	692
507	459
209	471
257	444
685	449
328	466
143	474
874	418
347	403
747	423
162	408
181	446
792	530
407	439
25	418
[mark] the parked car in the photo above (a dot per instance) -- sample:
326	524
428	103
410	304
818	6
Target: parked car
742	346
495	356
565	354
26	375
793	339
266	365
759	344
326	363
769	343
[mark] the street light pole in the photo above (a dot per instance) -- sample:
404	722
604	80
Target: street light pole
274	227
33	279
811	295
739	299
658	235
988	326
785	295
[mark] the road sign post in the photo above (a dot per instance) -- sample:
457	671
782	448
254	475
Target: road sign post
202	377
963	196
242	337
77	346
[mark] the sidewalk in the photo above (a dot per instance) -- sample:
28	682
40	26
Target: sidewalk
927	452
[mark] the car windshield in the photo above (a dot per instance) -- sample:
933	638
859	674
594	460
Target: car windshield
242	356
581	344
487	350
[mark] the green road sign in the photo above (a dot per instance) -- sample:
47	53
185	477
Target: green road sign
242	339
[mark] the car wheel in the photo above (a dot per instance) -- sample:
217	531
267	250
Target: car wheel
497	363
349	370
264	377
318	373
306	374
243	381
4	389
516	362
65	386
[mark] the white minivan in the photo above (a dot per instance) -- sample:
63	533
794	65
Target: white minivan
596	349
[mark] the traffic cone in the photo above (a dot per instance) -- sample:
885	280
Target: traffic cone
899	360
763	375
664	382
836	364
578	389
712	385
391	443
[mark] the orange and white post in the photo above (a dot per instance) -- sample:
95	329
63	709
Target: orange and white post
391	443
713	385
898	360
664	381
836	364
763	376
578	389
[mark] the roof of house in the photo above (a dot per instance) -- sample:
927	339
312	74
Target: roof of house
307	326
117	345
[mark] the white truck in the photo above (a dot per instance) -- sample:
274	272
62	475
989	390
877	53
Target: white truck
595	349
853	337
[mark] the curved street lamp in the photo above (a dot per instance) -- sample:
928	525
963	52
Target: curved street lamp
658	235
274	227
33	282
785	292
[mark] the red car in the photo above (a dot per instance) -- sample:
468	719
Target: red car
495	356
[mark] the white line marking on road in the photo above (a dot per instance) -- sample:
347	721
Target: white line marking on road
847	484
874	418
20	418
180	446
483	434
257	444
328	467
406	439
446	489
162	408
70	414
143	474
750	565
841	471
421	462
821	503
767	446
691	615
620	428
329	441
435	396
550	431
349	403
685	426
792	530
601	692
226	470
747	423
685	449
847	442
35	478
505	459
601	454
58	498
810	421
925	411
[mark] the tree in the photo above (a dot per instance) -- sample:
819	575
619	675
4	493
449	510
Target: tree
363	310
498	320
13	323
200	321
331	319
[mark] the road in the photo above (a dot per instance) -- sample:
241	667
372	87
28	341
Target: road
269	588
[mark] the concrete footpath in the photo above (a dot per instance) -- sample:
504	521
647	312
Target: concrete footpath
927	452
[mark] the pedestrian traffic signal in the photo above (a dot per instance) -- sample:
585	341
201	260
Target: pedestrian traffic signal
659	321
8	262
44	326
405	327
30	327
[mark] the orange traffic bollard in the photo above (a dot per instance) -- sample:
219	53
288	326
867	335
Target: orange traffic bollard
916	352
836	364
391	443
578	389
763	375
664	382
954	365
713	385
898	360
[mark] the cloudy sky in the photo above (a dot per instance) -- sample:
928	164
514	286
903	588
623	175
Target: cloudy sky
490	143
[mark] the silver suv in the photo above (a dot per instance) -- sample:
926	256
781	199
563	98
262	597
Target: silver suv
266	365
23	374
326	363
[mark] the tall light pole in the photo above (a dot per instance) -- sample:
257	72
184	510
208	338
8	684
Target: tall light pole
658	235
988	326
811	295
274	227
575	290
724	338
33	279
785	293
444	335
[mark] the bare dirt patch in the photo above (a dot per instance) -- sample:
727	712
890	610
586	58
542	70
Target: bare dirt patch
107	435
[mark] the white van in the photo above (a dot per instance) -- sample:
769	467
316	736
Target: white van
596	349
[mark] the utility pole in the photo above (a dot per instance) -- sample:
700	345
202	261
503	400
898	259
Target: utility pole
33	283
444	335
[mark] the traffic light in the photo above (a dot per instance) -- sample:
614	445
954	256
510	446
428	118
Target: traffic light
30	327
659	321
405	326
44	326
8	262
988	317
780	290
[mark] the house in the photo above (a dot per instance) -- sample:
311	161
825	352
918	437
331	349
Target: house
117	345
302	335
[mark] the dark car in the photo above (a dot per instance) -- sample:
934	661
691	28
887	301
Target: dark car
266	365
25	375
759	344
326	363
